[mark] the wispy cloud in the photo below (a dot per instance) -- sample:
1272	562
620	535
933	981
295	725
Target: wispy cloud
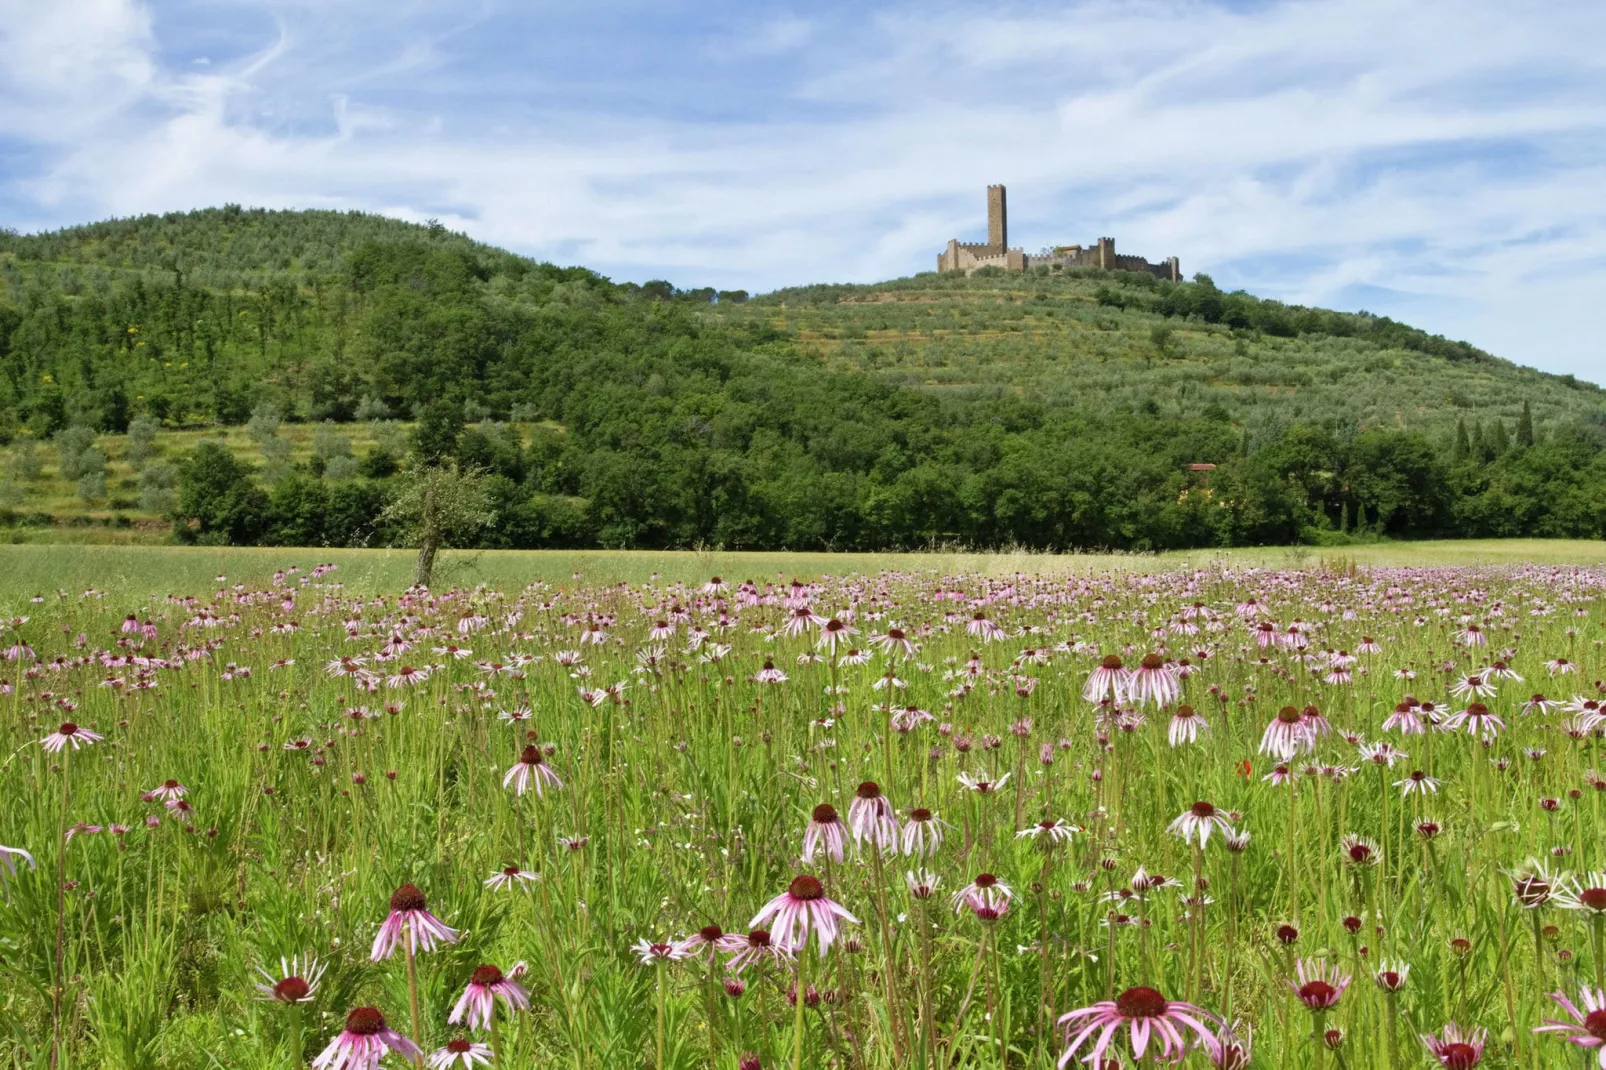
1441	161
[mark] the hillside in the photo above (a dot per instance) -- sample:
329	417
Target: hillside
1043	410
1117	340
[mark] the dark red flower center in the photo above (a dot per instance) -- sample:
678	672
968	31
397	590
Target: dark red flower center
485	976
1141	1002
292	989
1047	826
1185	712
985	880
531	756
510	871
710	933
1287	933
920	813
869	790
407	897
1203	809
1595	1024
1458	1056
825	814
895	634
1390	979
1593	898
170	785
67	728
1288	715
365	1021
1359	852
1477	709
458	1045
1152	661
806	888
1110	662
758	938
834	625
1317	993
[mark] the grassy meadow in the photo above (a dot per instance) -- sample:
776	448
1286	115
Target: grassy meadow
1248	810
123	570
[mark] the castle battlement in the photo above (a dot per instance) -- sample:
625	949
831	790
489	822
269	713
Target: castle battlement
967	257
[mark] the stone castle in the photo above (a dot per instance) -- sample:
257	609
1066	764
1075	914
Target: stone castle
995	251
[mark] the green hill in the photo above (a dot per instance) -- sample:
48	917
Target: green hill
1046	410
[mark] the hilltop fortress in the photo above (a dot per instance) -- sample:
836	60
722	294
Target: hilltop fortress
995	251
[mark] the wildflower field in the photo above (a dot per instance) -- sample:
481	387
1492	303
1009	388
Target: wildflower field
1217	816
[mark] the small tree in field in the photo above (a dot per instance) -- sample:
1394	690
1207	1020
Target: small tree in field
436	506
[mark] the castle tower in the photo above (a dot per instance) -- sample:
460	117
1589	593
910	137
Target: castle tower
997	219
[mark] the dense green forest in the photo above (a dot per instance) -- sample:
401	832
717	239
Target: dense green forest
1045	410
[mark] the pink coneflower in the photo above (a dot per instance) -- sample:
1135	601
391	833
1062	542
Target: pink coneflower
69	732
1536	703
168	791
1186	724
832	632
1588	1026
981	786
922	883
1479	721
1404	719
1286	734
296	983
1418	781
1197	821
1368	645
1391	976
1319	985
531	771
1358	851
824	830
1560	667
756	947
363	1042
894	641
1588	895
802	907
510	877
769	674
485	986
706	941
1532	884
1106	681
651	954
1148	1016
460	1051
986	890
1153	681
180	810
870	818
1476	685
410	916
1232	1050
408	676
922	833
1455	1048
1499	670
1057	831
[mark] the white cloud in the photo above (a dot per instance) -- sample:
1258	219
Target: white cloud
1305	150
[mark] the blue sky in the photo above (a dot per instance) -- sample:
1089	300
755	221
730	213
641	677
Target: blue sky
1440	162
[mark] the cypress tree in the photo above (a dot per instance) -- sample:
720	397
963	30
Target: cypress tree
1463	445
1499	439
1525	426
